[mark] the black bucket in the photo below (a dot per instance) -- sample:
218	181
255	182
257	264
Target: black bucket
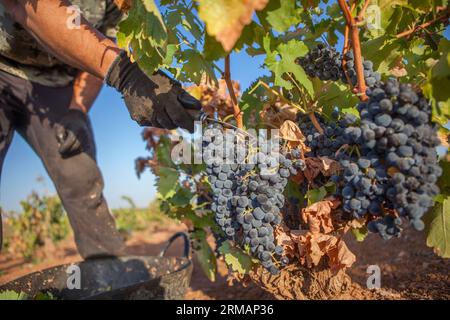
129	278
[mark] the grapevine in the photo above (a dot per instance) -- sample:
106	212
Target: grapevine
359	130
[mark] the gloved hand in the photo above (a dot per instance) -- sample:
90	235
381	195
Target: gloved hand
155	100
72	132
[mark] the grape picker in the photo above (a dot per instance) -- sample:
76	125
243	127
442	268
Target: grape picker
50	74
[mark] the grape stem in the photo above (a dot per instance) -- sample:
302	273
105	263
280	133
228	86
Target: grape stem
423	26
345	50
277	94
314	121
352	24
227	76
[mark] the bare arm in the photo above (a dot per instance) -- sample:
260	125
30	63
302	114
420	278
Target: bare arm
84	48
86	88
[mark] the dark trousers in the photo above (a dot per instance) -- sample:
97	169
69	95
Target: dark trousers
32	110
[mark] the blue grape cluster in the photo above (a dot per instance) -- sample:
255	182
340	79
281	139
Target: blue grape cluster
392	161
322	62
328	143
325	63
371	77
248	197
389	160
396	127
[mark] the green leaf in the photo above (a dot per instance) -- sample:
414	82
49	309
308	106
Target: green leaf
287	15
440	74
144	35
332	94
212	49
170	51
316	195
181	198
282	61
195	66
444	179
360	233
383	52
44	296
205	255
235	258
167	182
163	152
13	295
439	231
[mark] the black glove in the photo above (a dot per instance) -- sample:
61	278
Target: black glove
155	100
72	132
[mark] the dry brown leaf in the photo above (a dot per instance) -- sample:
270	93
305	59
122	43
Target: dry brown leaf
318	215
399	68
123	5
323	165
291	132
340	256
215	97
313	168
274	114
312	247
284	239
329	166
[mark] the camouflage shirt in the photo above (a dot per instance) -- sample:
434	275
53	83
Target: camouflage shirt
23	56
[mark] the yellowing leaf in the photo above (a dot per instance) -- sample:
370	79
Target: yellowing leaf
236	259
225	19
439	232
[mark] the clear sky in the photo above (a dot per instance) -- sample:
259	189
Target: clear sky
119	143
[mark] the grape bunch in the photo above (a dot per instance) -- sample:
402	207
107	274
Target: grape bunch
396	126
325	63
248	196
370	77
391	163
328	143
322	62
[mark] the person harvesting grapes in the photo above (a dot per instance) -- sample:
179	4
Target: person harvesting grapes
55	56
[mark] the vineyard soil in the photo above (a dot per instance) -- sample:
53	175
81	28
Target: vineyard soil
410	270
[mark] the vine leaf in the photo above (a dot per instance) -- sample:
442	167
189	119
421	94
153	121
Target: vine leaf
360	233
205	255
324	165
313	247
167	182
13	295
315	195
143	35
225	19
181	198
281	62
235	258
318	215
290	132
439	232
195	67
287	15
